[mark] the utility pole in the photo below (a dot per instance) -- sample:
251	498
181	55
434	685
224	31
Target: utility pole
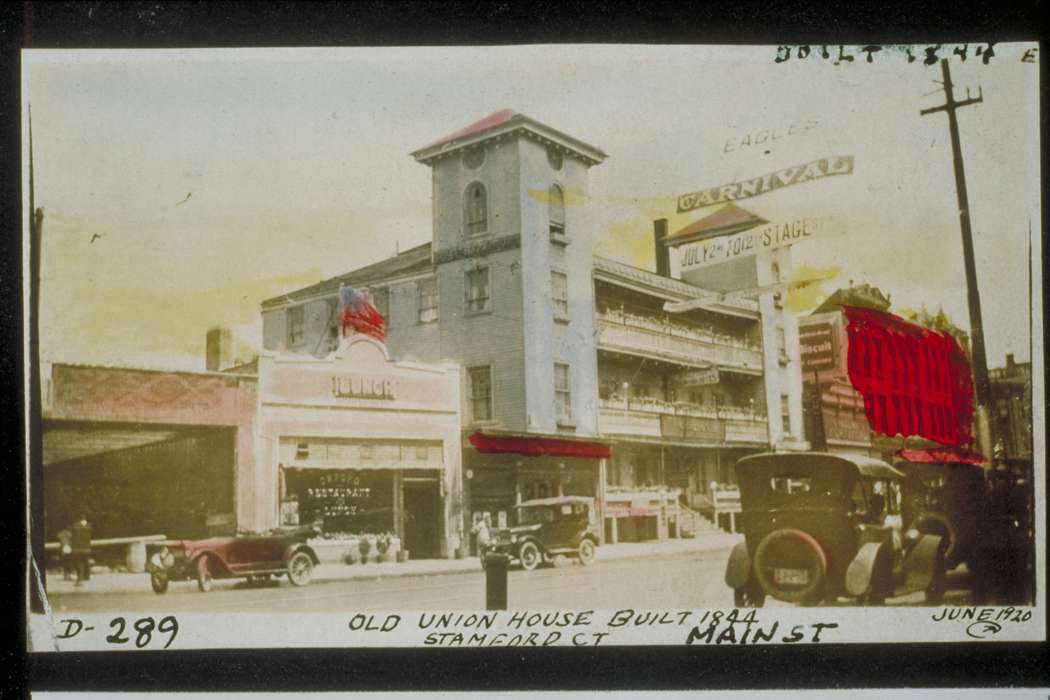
35	459
980	364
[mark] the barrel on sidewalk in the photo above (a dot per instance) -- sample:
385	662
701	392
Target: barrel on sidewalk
496	565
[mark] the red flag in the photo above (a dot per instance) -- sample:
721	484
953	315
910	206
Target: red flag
358	314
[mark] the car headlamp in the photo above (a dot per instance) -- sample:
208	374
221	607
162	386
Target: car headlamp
156	560
912	534
513	539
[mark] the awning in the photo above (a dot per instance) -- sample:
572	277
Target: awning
538	446
941	456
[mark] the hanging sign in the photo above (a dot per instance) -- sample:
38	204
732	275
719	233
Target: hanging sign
747	243
824	167
699	377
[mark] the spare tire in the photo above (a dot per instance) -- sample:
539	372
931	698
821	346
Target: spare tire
793	550
939	524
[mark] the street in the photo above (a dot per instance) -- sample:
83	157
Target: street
682	580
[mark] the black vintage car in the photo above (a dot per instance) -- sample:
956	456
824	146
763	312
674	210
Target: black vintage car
547	527
819	526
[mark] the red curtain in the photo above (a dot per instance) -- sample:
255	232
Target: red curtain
915	381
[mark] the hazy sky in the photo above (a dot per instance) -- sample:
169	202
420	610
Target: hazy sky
297	168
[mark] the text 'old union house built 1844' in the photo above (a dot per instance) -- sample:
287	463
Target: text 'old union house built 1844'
575	381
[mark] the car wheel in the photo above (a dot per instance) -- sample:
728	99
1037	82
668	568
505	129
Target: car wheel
587	552
159	581
300	569
203	574
530	557
935	591
749	597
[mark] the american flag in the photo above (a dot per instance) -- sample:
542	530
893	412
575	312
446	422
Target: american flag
358	314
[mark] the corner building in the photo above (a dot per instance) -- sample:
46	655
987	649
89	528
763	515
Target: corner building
574	381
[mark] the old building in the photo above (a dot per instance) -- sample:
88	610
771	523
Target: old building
574	379
1011	387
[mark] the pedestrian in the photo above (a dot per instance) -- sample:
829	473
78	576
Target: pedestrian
81	546
65	541
483	534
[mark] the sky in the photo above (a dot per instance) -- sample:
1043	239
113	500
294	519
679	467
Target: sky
182	188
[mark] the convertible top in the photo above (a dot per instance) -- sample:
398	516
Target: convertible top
867	466
555	501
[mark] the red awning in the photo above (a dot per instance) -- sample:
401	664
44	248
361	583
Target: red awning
538	446
941	457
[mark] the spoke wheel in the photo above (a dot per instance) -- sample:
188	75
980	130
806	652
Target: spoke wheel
587	552
529	554
159	581
300	569
203	574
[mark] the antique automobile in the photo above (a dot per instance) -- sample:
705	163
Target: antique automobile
252	557
546	528
946	495
819	526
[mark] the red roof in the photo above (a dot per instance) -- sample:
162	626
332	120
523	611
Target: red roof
482	125
728	219
538	446
941	456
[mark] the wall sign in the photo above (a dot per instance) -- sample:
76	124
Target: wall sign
817	345
699	377
745	244
359	387
825	167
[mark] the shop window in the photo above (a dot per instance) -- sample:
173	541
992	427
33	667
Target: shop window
562	393
296	326
480	393
476	209
560	293
428	300
477	288
556	213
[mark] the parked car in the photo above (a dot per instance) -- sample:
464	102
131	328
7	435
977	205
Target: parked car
945	495
819	526
547	527
252	557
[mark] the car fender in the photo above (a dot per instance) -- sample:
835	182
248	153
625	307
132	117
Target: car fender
944	522
923	562
738	568
294	549
871	559
217	564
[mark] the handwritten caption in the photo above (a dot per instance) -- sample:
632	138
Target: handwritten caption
139	632
983	623
926	55
588	627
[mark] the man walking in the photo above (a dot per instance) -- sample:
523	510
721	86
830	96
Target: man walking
82	549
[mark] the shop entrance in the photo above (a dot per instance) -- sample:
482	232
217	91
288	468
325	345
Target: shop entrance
422	517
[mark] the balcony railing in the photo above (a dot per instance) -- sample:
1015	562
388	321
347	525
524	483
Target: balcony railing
676	342
642	417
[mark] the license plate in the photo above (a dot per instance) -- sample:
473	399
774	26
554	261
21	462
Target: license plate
791	576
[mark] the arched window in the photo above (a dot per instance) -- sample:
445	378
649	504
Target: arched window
476	209
557	210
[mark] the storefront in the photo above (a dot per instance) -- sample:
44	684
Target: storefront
362	445
503	470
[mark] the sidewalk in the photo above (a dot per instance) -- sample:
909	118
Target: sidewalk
122	582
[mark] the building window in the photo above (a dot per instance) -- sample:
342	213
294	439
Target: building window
422	453
782	351
332	306
302	450
785	415
778	294
476	209
560	293
381	300
557	211
474	158
562	393
428	300
477	288
480	393
296	326
364	451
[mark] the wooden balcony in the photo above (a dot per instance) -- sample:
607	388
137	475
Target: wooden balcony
652	418
675	342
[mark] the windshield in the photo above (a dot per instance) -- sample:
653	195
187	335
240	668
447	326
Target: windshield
535	515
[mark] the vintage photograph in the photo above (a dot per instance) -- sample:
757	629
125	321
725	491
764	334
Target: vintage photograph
534	345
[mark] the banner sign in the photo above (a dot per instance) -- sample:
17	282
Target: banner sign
816	344
825	167
741	245
699	377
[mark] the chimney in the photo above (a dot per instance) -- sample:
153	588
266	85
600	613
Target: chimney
663	255
219	349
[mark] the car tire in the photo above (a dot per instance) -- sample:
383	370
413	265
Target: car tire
158	580
810	594
587	552
300	569
529	555
204	577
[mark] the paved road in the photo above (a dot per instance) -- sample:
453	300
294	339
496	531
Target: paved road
691	580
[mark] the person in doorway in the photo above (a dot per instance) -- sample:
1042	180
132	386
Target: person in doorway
483	533
65	543
81	546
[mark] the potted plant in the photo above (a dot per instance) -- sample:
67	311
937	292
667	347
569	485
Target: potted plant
364	546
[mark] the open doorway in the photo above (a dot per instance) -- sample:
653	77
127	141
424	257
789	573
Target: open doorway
422	517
